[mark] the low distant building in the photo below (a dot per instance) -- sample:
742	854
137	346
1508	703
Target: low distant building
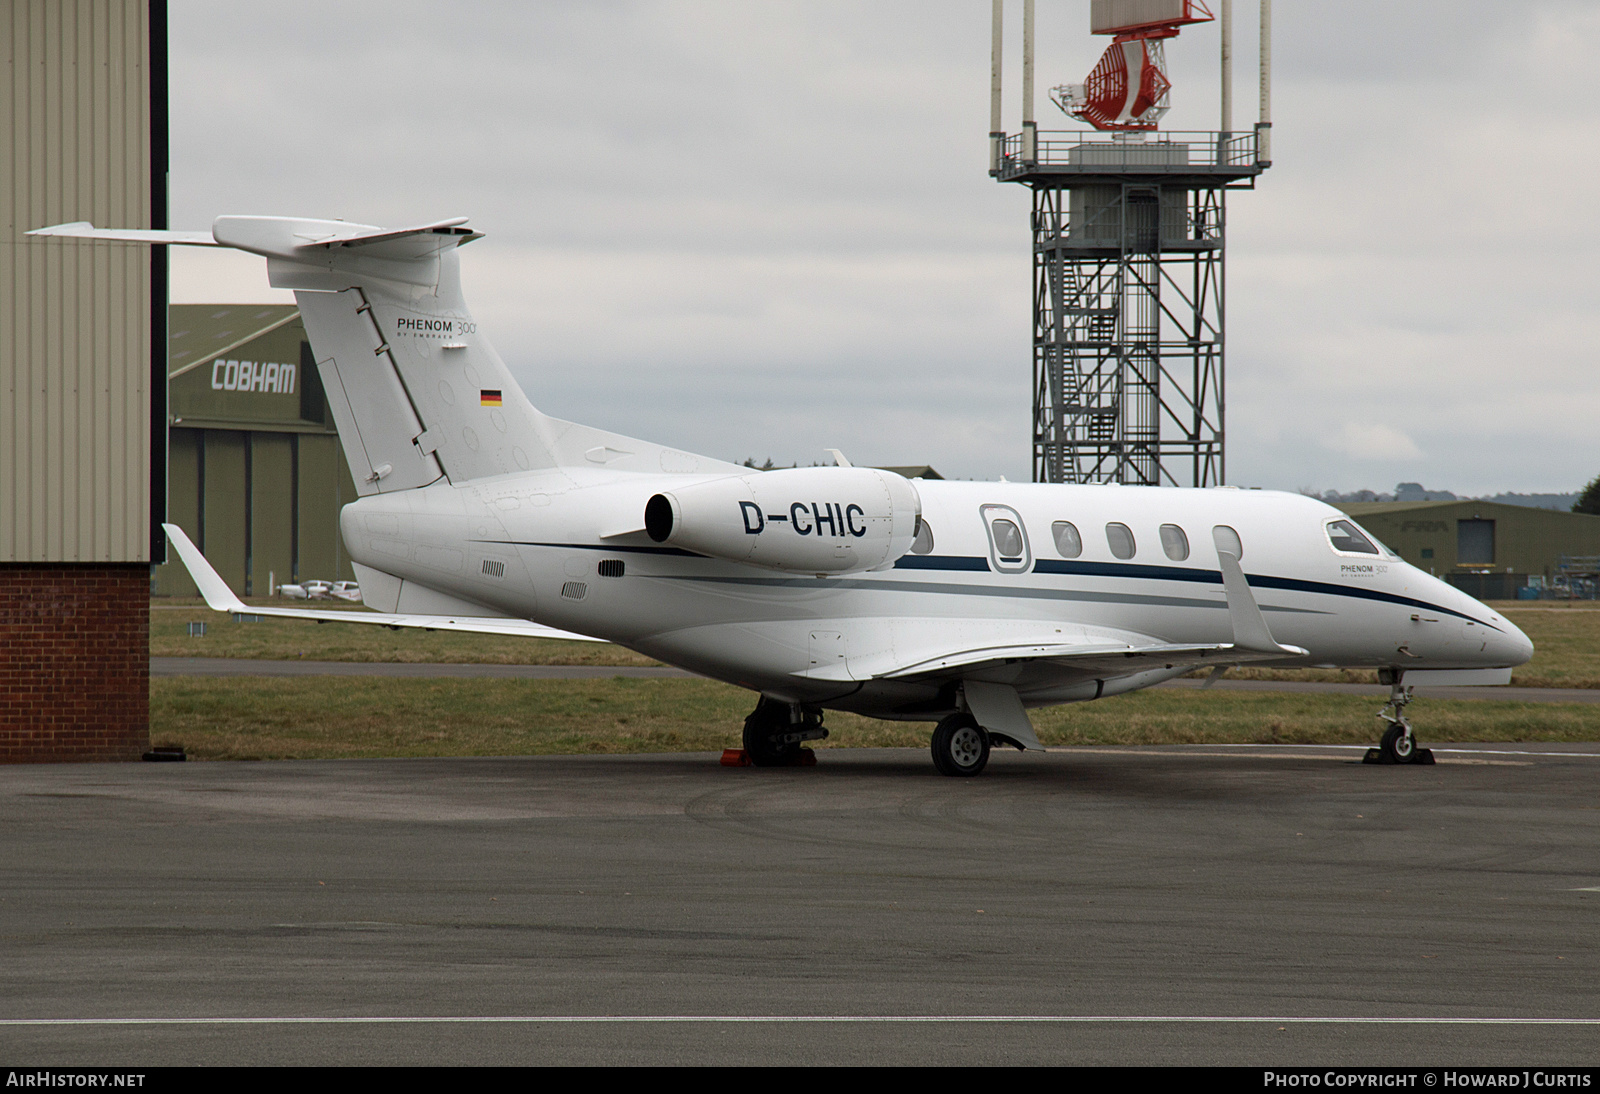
1485	548
255	474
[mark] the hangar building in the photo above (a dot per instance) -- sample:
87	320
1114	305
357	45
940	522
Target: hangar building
83	137
255	474
1485	548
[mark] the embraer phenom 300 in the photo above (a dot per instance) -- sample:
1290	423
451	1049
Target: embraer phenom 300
824	588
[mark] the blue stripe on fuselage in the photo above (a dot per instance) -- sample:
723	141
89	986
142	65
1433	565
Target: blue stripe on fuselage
940	562
1131	570
1141	572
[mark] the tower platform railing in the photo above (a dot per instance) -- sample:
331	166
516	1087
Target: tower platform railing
1058	156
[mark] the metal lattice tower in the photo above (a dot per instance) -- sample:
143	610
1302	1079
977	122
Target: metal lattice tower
1128	304
1129	240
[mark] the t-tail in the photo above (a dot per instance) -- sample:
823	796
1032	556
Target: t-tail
417	392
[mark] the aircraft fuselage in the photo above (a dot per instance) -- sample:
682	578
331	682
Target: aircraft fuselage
541	546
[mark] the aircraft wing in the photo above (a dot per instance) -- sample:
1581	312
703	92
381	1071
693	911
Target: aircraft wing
1091	659
220	598
1090	655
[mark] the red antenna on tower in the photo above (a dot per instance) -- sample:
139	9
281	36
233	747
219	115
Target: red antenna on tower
1128	89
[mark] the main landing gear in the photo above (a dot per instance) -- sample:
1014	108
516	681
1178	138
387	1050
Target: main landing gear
960	746
1399	743
775	732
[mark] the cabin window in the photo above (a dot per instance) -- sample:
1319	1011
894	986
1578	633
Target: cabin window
1174	542
1347	537
923	544
1007	539
1069	544
1227	540
1120	539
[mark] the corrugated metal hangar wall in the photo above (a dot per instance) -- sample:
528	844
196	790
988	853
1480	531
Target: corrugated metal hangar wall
82	335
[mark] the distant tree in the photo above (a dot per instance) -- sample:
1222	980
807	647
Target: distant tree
1589	500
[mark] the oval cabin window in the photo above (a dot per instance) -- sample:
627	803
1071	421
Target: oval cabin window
1120	539
1007	539
1174	542
1069	544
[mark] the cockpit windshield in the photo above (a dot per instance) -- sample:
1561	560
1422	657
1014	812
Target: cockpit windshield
1346	537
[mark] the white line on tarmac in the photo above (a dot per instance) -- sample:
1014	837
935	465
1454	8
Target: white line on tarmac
1363	748
802	1019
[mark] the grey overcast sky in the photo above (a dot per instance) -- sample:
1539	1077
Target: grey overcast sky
766	229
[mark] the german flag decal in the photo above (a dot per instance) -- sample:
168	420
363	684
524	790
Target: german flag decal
488	397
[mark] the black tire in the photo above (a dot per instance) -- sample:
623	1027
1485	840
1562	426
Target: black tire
762	730
960	746
1397	747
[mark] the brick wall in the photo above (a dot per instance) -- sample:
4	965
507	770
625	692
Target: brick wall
74	661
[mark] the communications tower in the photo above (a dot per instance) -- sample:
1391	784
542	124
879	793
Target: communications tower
1129	234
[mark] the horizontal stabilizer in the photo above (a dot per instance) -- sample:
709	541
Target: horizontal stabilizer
82	229
282	236
362	236
306	240
220	598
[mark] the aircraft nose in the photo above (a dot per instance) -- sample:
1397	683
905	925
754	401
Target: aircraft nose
1511	646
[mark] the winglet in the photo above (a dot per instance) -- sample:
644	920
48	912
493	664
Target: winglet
1249	625
218	596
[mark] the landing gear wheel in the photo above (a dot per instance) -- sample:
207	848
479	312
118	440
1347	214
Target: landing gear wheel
1398	746
960	746
763	735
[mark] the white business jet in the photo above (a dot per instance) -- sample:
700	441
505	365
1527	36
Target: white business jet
824	588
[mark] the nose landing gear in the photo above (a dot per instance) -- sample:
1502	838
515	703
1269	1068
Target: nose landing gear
1399	743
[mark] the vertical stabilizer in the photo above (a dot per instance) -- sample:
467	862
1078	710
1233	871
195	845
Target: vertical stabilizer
416	391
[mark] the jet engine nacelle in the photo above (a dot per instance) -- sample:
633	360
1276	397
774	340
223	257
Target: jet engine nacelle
812	520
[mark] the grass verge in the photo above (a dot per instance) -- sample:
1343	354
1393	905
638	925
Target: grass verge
255	718
1566	644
